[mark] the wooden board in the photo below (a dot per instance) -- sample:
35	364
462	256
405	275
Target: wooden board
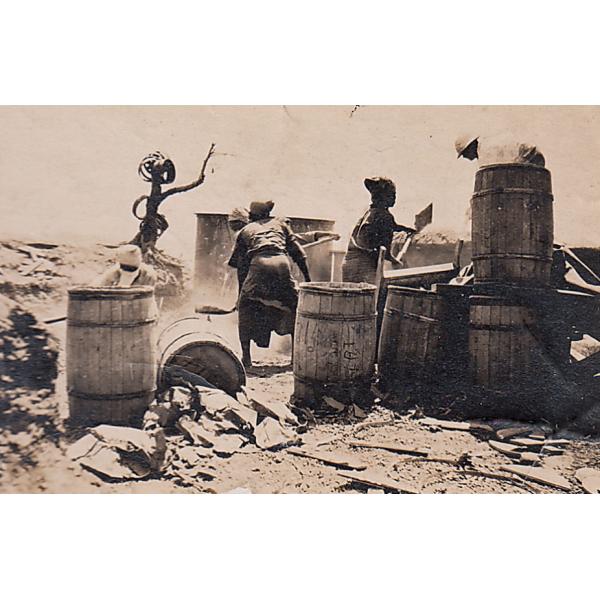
330	458
390	447
378	480
540	475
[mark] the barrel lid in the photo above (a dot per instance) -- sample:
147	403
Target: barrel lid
338	288
108	293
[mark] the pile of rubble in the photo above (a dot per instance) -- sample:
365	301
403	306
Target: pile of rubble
182	431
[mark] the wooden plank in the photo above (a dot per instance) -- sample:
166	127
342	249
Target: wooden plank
589	479
510	432
528	442
540	475
378	480
456	425
336	459
509	450
390	447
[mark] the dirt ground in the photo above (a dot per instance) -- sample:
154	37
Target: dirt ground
33	454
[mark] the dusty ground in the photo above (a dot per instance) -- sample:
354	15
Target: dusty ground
33	456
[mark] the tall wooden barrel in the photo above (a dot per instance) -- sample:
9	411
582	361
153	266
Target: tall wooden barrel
334	341
111	354
411	342
512	225
185	344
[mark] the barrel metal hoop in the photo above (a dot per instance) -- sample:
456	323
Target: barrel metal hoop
326	317
514	190
127	396
408	315
511	255
124	325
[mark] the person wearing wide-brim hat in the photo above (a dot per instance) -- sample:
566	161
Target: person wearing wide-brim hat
129	271
497	150
268	297
375	229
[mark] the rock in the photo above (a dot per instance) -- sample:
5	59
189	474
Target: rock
275	409
589	479
195	432
271	434
335	404
81	447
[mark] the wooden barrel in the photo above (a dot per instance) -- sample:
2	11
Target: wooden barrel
111	354
185	344
334	341
411	343
512	225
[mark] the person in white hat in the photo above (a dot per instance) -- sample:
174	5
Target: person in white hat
129	270
497	150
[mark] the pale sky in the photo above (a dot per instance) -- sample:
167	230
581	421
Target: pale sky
70	173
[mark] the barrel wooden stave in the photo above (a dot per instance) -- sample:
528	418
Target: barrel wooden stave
512	224
111	361
185	343
334	341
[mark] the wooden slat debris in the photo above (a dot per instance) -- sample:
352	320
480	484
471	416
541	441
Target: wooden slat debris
379	480
540	475
589	479
527	442
511	432
509	450
552	451
499	477
390	447
456	425
336	459
530	458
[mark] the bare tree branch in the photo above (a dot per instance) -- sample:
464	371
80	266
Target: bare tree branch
196	182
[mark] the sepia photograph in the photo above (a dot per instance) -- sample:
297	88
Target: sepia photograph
284	299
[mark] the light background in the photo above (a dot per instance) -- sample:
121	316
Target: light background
297	53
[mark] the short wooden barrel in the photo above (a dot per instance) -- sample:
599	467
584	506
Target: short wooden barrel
186	346
334	341
502	344
411	340
111	354
512	225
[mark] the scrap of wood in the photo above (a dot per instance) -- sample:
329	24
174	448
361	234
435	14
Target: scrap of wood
529	457
514	480
589	479
390	447
456	425
510	432
378	480
509	450
330	458
540	475
552	451
528	442
362	426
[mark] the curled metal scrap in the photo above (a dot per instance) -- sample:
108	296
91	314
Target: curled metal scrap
157	164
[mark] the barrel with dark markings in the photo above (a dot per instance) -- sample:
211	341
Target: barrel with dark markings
334	341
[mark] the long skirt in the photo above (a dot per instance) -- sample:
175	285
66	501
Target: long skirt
268	300
360	266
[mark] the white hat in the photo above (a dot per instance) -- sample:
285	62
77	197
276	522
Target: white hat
130	256
463	142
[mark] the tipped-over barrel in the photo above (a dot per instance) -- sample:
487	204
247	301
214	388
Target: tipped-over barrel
185	346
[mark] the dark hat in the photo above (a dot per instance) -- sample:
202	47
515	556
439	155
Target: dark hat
261	209
377	185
